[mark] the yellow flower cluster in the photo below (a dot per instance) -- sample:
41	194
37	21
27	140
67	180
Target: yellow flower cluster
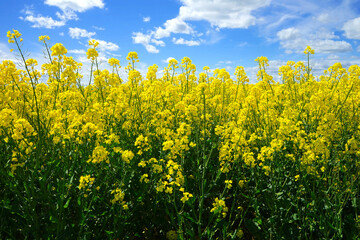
219	206
186	196
12	36
44	38
309	50
167	132
119	197
100	154
85	181
58	50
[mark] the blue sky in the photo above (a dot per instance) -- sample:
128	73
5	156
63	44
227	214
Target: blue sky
214	33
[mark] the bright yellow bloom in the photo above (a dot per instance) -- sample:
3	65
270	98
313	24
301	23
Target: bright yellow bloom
132	56
309	50
144	178
85	181
127	156
114	62
92	53
186	197
100	154
93	43
58	50
44	38
13	35
228	184
219	207
118	197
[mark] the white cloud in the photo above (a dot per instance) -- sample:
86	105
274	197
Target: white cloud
43	22
80	33
67	15
77	51
288	34
40	21
146	19
68	7
185	42
98	28
331	46
222	13
61	34
219	13
107	46
75	5
175	25
324	18
219	63
145	39
352	28
358	48
158	42
294	40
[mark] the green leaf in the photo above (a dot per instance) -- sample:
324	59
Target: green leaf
67	203
186	215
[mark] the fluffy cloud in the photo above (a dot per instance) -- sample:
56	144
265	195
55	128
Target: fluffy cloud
158	42
146	40
175	25
107	46
288	34
69	9
146	19
222	13
77	51
80	33
219	13
352	28
185	42
294	40
75	5
40	21
43	22
331	46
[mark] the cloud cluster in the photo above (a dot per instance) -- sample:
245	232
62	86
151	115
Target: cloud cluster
182	41
219	13
80	33
222	13
75	5
68	8
328	30
352	28
294	40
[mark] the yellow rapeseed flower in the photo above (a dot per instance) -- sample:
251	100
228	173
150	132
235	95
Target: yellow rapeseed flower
309	50
58	50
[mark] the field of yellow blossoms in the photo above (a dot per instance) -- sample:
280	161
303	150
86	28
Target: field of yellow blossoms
190	155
